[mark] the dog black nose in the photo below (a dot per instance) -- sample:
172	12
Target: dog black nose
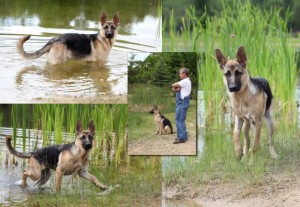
87	146
109	35
233	89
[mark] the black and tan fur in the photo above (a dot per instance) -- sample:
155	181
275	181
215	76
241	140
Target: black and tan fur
251	100
64	159
163	124
87	47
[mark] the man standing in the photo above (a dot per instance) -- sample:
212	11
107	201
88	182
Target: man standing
183	90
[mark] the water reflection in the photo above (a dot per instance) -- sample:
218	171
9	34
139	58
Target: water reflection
35	81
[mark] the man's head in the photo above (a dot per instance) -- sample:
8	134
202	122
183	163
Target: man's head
184	73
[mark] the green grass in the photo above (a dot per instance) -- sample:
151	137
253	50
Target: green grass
269	47
144	96
141	99
110	122
142	126
218	163
134	189
139	177
271	53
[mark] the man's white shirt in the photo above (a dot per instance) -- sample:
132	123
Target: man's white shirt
186	87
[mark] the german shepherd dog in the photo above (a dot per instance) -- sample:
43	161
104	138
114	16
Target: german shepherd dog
87	47
251	100
64	159
163	124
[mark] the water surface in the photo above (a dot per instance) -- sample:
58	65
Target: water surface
34	81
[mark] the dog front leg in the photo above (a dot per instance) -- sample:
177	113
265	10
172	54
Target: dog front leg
24	178
58	177
246	128
85	175
157	129
236	136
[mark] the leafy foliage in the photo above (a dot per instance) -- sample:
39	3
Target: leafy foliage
161	69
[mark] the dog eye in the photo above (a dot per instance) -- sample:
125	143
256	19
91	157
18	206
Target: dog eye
238	73
90	137
83	137
112	27
106	27
227	73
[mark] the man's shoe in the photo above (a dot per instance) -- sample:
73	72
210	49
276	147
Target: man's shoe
185	140
178	141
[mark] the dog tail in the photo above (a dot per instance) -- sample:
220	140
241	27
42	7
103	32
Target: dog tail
34	55
13	151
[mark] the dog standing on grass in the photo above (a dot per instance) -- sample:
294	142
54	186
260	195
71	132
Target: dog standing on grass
251	100
87	47
163	124
64	159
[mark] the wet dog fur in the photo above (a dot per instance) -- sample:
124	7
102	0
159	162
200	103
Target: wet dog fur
87	47
251	101
64	159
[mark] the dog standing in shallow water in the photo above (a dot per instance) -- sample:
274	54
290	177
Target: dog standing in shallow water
93	47
251	100
163	124
64	159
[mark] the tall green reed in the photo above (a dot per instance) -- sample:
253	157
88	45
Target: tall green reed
110	123
266	39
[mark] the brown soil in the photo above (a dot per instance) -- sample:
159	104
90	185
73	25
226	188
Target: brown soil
279	191
163	144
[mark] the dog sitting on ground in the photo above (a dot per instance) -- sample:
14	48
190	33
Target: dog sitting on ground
64	159
163	124
251	100
87	47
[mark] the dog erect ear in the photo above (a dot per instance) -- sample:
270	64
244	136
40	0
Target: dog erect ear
78	127
92	126
241	56
221	59
116	19
103	18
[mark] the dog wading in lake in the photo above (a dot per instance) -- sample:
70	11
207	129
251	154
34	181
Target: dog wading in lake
87	47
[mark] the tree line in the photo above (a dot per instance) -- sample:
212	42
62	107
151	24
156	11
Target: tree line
162	69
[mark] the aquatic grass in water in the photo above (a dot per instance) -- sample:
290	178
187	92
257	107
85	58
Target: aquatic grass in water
269	51
55	120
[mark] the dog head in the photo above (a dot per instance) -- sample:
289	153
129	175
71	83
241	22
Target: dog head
235	71
109	27
85	137
154	110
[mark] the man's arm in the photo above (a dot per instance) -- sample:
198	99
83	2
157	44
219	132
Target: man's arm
176	87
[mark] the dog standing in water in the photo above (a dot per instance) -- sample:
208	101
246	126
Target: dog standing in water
87	47
64	159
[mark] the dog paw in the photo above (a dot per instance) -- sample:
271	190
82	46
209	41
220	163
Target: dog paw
104	187
273	153
274	156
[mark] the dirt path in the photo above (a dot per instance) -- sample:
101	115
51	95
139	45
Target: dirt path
279	191
163	144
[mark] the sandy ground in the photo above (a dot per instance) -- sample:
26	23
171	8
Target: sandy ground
278	191
163	144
